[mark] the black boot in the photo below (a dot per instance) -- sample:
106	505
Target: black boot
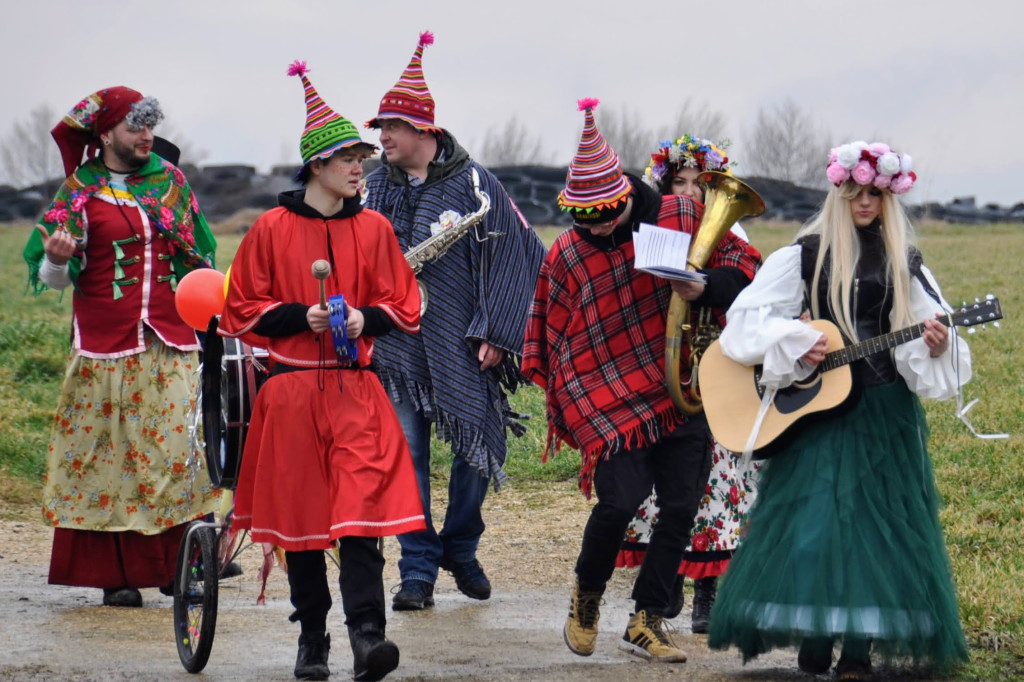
373	656
675	604
854	663
815	657
311	663
703	599
122	596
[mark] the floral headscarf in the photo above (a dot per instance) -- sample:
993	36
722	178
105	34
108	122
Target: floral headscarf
687	152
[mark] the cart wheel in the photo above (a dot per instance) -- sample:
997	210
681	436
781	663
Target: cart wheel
195	596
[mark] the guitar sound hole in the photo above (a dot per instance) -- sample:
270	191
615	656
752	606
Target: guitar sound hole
794	396
797	395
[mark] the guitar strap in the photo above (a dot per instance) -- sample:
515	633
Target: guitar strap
748	450
915	262
808	256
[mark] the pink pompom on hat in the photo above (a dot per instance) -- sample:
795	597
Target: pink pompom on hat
595	188
410	100
872	164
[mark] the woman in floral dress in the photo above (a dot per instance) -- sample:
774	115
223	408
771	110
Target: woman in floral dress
718	526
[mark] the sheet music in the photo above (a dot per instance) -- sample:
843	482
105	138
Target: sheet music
662	252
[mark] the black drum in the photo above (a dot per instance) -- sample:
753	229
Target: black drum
232	375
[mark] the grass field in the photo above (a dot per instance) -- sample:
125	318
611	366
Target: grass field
982	481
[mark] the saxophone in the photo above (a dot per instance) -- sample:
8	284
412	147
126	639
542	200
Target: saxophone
435	246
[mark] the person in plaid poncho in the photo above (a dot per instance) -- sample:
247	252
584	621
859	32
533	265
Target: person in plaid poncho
595	342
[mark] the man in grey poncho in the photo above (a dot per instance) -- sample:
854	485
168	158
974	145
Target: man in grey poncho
457	371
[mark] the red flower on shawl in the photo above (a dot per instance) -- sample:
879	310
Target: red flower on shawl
56	215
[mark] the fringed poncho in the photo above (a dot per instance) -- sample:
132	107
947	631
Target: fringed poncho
477	291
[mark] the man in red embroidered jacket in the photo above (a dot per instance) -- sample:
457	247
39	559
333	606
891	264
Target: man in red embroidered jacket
595	342
123	229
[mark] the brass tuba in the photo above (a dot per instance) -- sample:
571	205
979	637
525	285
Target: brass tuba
726	200
435	246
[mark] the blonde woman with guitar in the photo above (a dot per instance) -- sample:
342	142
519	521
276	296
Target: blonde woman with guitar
844	543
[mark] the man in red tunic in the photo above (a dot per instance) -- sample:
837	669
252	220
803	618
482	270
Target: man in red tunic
325	462
122	481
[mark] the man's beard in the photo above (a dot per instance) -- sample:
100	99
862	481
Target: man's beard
128	156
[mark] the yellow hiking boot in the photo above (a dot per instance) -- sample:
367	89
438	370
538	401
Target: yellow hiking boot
580	630
645	638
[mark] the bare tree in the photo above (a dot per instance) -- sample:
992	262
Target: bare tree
513	145
625	132
190	153
786	144
697	119
635	141
27	153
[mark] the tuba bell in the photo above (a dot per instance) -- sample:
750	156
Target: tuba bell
726	200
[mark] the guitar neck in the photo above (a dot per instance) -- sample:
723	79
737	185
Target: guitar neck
858	351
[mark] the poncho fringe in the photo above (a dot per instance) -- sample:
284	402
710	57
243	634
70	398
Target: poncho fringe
642	435
466	440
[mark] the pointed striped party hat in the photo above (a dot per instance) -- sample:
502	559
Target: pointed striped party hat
410	100
326	131
595	188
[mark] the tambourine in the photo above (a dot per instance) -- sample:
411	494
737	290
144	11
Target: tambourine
345	348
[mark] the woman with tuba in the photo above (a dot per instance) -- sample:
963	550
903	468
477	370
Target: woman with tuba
595	342
675	169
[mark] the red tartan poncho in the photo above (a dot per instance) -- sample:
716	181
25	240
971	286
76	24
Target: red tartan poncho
595	341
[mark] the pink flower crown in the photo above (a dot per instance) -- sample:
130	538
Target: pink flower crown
871	164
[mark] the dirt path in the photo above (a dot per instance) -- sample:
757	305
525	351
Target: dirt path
49	632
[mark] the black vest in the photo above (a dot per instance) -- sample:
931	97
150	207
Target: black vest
872	297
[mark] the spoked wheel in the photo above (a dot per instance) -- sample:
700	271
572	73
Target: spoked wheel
195	596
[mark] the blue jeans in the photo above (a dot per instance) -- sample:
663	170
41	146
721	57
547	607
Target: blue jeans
463	522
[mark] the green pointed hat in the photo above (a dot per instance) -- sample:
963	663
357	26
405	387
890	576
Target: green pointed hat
326	130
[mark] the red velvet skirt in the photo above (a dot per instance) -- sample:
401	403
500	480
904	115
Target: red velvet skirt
325	457
92	558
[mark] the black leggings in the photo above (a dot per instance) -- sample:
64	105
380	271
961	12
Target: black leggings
361	580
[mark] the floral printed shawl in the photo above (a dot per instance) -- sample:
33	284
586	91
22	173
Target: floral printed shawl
159	188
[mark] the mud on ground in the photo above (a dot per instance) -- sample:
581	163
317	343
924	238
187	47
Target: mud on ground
51	632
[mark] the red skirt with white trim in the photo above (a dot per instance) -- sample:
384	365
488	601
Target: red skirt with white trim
325	457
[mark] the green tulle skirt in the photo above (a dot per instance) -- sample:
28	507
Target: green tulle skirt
844	542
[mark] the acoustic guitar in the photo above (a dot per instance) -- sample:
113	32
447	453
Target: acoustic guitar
732	392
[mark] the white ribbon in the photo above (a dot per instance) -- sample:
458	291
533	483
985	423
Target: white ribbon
748	449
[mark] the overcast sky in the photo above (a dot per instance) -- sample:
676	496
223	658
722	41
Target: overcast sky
940	79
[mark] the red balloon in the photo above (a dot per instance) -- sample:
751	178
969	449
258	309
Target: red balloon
200	296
